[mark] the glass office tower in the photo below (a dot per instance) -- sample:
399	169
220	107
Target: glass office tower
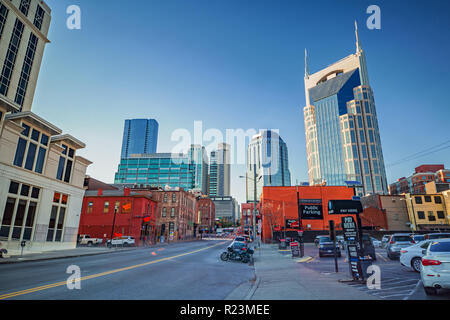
341	126
139	136
267	160
157	170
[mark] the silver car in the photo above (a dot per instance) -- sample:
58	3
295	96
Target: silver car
396	243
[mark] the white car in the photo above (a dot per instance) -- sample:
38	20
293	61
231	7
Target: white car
376	242
121	241
411	257
435	272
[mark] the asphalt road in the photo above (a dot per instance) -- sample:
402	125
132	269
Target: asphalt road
397	282
190	270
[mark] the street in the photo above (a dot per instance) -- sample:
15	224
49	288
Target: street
397	282
189	270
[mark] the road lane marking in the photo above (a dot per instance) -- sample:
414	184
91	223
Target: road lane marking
312	259
414	290
384	259
305	259
62	283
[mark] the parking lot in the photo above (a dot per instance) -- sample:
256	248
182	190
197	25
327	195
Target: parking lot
397	282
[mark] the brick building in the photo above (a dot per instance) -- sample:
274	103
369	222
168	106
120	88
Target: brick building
135	215
384	212
205	214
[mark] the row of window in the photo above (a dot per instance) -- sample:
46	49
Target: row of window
418	199
431	216
31	149
164	212
122	206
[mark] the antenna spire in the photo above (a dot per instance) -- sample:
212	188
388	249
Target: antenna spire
306	64
358	46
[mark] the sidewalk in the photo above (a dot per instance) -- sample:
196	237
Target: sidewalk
280	278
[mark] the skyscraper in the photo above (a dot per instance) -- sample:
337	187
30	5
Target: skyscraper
341	125
219	171
139	136
198	159
24	27
267	160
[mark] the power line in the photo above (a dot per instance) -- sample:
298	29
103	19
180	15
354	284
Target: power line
426	152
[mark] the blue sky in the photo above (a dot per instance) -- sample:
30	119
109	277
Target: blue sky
240	64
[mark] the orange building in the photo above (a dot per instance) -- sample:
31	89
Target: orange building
280	209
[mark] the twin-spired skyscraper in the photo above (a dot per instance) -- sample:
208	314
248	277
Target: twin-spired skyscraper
341	125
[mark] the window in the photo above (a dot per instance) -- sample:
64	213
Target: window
106	207
24	6
3	15
20	211
57	218
164	212
30	153
11	56
165	197
26	69
431	216
427	199
418	200
90	207
65	164
174	197
39	17
437	199
421	214
172	212
441	214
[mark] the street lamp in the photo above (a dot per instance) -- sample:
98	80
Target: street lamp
255	179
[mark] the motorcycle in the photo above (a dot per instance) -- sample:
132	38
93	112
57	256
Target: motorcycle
242	254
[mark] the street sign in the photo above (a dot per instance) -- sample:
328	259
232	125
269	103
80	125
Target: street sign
355	262
311	212
344	207
350	229
353	183
292	224
295	249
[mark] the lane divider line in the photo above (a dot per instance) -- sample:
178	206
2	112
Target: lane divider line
62	283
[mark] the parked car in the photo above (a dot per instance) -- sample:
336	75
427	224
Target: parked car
368	247
376	242
326	247
85	239
241	239
384	241
411	257
121	241
397	242
417	238
431	236
435	271
341	241
317	240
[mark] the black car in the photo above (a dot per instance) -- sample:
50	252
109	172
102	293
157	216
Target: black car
326	247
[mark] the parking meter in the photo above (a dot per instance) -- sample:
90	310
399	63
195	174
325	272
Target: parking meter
22	244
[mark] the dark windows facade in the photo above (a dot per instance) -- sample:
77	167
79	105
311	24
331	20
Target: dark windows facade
26	70
24	6
3	15
11	56
39	17
20	212
65	165
31	149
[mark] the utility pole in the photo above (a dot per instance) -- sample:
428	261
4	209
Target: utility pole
114	222
254	208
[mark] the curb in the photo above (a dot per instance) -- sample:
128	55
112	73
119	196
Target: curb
253	289
63	257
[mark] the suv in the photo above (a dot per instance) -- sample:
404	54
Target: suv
317	240
326	247
385	240
124	241
397	242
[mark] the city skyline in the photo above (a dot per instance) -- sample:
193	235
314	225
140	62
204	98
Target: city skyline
260	82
